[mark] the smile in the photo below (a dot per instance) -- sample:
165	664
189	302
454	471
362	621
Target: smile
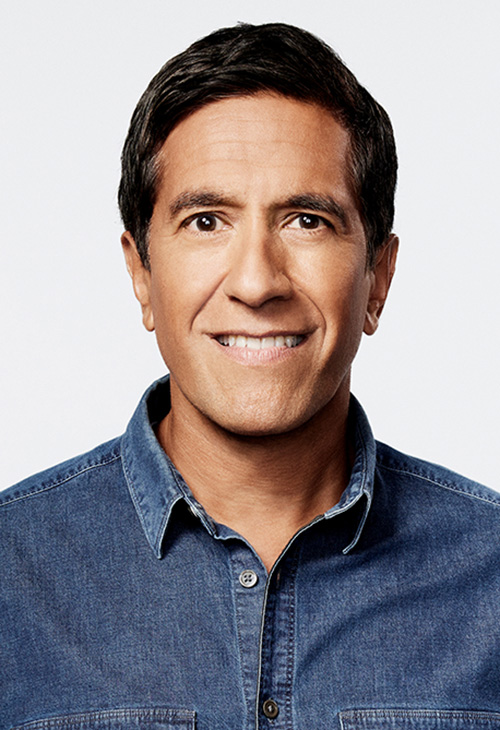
260	343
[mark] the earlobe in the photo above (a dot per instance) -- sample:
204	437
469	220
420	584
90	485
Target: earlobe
382	274
141	279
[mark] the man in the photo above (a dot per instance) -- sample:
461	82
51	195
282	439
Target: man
246	555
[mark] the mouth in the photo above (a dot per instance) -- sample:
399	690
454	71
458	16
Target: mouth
286	341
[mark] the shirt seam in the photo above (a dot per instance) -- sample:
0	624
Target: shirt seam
46	488
149	713
437	483
422	713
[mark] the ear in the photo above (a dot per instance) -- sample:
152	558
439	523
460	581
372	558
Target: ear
382	273
141	279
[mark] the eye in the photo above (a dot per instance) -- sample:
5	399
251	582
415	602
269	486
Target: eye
203	223
309	222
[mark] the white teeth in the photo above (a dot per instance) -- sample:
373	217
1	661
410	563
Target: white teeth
260	343
253	343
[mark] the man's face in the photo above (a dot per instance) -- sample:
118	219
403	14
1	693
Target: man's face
258	288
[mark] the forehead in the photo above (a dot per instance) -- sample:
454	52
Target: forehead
264	139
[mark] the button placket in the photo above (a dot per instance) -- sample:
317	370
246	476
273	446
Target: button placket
277	653
248	584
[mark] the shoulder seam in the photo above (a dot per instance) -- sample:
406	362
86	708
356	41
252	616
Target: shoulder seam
46	488
437	483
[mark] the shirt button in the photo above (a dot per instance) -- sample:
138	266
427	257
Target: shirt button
270	709
248	578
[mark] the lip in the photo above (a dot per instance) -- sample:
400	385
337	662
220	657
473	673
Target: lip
266	333
250	356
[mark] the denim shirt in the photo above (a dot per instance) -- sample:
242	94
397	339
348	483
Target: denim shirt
124	606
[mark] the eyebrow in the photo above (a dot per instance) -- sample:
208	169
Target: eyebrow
199	199
318	202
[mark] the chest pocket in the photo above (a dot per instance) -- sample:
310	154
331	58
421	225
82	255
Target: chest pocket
156	718
418	720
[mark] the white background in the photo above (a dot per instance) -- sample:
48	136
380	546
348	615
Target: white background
74	357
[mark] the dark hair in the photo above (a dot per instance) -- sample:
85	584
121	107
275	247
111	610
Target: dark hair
244	60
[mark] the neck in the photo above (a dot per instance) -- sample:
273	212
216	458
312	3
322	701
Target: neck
267	487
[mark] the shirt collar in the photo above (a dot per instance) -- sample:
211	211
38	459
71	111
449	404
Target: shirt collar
156	486
363	470
149	472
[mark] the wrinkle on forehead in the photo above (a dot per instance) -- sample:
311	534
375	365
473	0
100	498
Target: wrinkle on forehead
260	116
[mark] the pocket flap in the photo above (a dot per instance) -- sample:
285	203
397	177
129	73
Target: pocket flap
419	720
155	718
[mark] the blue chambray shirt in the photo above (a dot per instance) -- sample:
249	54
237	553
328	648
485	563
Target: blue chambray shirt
125	607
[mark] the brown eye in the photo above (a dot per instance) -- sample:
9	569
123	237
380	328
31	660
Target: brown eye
309	221
206	223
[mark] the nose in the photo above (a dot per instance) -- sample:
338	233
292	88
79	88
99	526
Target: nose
257	268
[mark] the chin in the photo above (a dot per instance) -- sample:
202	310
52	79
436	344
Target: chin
260	421
259	429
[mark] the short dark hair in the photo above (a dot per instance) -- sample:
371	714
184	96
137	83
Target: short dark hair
241	61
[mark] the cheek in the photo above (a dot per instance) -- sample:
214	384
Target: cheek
342	297
167	307
178	295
